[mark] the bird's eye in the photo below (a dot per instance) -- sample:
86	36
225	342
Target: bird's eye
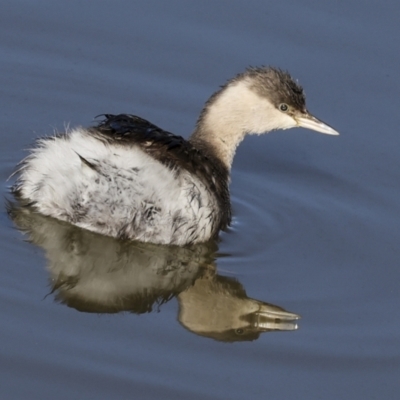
239	331
283	107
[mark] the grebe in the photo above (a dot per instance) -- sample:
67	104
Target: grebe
127	178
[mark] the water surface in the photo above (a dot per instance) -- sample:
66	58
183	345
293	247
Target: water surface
316	218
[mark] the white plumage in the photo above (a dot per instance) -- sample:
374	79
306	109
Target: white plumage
126	185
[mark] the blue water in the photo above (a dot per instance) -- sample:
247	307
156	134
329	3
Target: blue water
316	219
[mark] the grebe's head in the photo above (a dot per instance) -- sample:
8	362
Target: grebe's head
256	101
286	97
260	100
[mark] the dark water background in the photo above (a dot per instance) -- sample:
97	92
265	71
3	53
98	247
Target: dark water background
316	226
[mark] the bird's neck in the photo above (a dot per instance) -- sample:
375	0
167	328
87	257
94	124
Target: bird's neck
226	118
217	142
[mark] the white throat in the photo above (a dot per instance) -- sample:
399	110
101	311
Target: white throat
236	111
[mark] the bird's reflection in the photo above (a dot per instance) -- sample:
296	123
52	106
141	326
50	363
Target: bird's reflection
94	273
